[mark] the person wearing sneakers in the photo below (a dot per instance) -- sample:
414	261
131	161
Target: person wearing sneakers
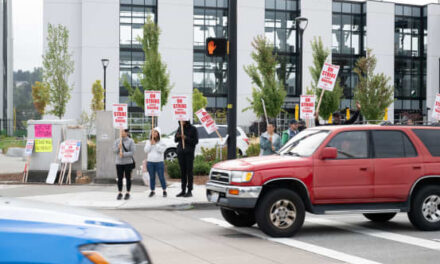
124	150
155	162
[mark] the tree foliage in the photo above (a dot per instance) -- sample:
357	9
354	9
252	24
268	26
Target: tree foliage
155	76
263	76
23	99
372	91
57	67
198	102
40	96
98	97
330	100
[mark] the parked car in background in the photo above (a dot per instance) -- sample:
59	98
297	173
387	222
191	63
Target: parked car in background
207	141
33	232
371	169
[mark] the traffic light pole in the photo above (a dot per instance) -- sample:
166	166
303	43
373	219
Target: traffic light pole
232	79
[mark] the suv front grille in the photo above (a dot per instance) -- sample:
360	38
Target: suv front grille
219	176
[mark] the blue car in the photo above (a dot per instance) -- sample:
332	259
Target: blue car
33	232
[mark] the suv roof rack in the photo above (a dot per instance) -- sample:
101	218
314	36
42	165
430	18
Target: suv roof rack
428	124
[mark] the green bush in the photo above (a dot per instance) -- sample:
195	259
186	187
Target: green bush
91	155
173	169
253	150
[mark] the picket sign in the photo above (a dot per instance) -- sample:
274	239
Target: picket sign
180	112
208	122
307	109
436	108
120	119
152	105
327	80
68	153
27	154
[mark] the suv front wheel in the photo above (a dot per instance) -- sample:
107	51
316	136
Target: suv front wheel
240	219
425	209
280	213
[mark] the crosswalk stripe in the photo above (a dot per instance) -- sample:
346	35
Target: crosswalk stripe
333	254
420	242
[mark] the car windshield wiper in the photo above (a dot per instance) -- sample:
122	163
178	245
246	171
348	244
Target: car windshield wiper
296	154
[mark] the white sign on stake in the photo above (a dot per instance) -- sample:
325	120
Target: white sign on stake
307	109
152	103
69	151
120	116
207	121
29	147
180	107
328	77
52	173
436	108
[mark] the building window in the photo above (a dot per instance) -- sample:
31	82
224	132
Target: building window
348	43
410	59
280	30
210	73
132	17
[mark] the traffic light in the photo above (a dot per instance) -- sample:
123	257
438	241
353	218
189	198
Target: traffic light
216	47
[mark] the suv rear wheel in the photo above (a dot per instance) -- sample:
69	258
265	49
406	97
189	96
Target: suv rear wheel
382	217
240	219
280	213
425	209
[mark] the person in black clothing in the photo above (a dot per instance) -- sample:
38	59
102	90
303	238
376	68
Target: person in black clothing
186	156
337	117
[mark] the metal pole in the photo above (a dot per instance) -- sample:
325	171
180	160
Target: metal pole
300	61
232	78
105	88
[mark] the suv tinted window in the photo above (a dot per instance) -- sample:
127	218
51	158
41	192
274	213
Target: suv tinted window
350	145
392	144
223	132
431	140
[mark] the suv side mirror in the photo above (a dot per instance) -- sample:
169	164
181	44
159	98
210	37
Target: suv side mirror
329	153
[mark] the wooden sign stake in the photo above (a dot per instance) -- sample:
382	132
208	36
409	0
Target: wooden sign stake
182	134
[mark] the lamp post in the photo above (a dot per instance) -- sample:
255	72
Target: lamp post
301	25
104	65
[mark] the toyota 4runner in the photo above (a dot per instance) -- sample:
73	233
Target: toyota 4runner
370	169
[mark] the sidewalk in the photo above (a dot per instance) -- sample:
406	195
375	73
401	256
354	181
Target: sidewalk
104	196
11	165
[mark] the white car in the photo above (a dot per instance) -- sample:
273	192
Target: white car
206	141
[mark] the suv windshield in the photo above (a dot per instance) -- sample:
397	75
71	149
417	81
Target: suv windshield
305	143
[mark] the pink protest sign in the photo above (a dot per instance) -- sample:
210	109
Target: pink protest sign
43	130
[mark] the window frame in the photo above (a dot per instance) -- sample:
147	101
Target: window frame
427	148
368	138
373	146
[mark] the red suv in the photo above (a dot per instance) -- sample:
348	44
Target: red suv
372	169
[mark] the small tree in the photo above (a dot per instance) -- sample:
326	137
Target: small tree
263	75
372	91
198	101
57	67
98	97
330	100
40	96
154	72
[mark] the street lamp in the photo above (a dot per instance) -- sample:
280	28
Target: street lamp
301	25
104	65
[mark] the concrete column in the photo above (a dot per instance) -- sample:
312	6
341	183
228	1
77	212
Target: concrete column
319	13
105	137
250	23
175	19
380	38
433	57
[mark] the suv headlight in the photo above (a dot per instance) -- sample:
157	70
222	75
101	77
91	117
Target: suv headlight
129	253
241	176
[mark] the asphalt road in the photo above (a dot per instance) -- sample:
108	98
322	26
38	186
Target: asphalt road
202	236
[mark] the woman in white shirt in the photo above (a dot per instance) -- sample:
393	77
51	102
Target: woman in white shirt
155	163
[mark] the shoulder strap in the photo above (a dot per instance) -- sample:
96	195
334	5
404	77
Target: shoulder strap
123	145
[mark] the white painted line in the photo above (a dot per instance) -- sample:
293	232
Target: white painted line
420	242
333	254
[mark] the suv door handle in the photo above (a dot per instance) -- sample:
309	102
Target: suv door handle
364	169
417	167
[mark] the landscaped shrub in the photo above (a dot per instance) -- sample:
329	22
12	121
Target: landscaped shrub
173	169
91	155
253	150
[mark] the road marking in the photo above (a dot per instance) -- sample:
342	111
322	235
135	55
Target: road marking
333	254
420	242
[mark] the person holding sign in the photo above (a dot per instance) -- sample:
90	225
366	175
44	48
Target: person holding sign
185	154
155	163
124	148
270	142
336	117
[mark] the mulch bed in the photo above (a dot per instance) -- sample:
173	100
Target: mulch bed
11	177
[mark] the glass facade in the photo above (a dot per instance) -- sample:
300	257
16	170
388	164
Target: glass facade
348	43
210	73
410	40
132	17
280	29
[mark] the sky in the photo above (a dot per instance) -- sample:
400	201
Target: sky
27	22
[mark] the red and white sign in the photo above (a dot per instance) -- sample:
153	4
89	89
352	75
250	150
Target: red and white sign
436	108
120	116
307	109
152	103
328	77
69	151
180	107
207	121
29	147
